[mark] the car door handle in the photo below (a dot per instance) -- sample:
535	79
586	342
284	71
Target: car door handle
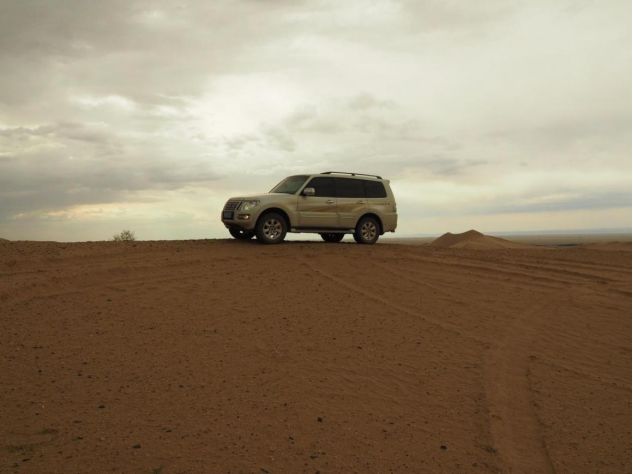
360	202
330	201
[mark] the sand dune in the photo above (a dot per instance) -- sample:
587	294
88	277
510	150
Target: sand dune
474	240
226	356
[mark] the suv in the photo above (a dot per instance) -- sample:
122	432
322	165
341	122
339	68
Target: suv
331	204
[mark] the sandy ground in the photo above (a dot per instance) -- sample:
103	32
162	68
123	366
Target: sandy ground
225	356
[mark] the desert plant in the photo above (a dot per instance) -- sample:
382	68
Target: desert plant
124	236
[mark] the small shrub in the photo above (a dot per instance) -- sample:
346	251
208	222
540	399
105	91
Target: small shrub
124	236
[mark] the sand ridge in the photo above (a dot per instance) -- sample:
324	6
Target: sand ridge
226	356
473	239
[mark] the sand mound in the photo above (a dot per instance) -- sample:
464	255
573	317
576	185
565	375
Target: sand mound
473	240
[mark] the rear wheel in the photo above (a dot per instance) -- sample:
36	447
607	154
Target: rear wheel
332	236
241	234
271	228
367	231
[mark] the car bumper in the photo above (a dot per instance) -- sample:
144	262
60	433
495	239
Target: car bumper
237	219
389	222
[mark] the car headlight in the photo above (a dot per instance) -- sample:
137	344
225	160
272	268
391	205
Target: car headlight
248	205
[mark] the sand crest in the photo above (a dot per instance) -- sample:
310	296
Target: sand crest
473	239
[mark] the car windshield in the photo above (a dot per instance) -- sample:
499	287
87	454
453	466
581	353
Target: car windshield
290	185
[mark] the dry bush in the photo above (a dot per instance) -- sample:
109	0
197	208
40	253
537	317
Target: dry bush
124	236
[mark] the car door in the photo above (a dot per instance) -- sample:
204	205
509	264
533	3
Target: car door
318	211
351	201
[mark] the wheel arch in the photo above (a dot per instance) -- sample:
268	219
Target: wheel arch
279	211
375	216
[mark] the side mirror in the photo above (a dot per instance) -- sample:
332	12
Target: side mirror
308	192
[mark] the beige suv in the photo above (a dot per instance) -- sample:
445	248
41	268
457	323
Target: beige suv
331	204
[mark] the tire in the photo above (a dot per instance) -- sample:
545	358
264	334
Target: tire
332	237
367	231
271	228
241	234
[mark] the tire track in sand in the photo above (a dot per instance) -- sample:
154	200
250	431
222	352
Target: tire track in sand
515	428
452	328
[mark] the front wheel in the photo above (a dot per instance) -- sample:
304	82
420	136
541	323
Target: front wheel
367	231
241	234
271	228
332	237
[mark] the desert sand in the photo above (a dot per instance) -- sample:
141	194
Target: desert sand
227	356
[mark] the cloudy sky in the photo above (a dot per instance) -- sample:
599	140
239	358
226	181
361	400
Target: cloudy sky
495	115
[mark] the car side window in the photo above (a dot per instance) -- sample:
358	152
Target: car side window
374	189
349	188
323	187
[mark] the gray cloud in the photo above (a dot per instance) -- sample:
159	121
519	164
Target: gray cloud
53	166
588	200
129	101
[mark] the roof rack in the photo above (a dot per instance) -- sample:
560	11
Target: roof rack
352	174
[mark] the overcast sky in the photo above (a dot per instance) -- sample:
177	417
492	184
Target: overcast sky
494	115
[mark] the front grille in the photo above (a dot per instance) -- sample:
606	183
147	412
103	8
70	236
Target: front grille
231	205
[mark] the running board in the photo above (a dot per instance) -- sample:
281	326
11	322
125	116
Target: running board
321	231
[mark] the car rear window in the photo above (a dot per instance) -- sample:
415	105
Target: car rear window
375	189
350	188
